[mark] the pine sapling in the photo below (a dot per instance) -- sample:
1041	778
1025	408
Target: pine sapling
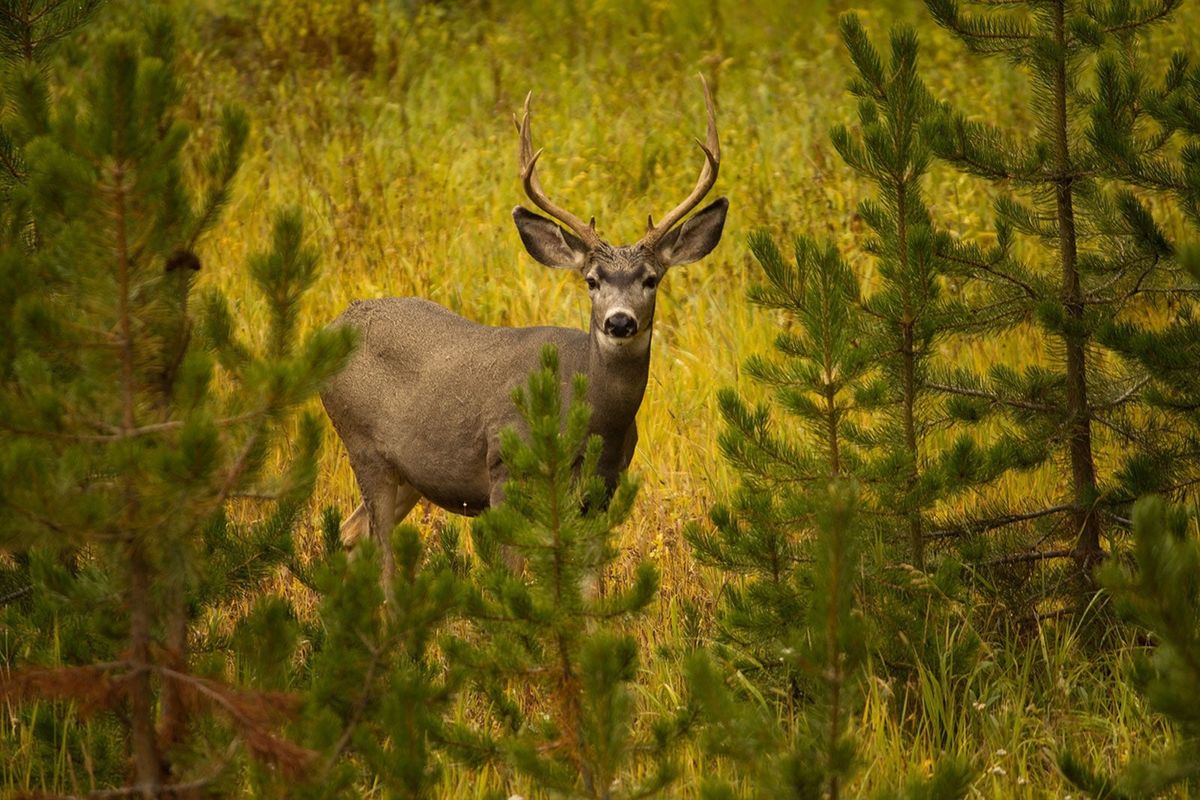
553	656
1095	257
907	315
377	693
1161	594
764	534
120	455
827	647
854	376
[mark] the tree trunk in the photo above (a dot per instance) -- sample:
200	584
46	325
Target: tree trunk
916	533
147	761
1079	422
831	417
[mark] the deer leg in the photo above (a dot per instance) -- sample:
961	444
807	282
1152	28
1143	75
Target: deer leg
382	508
379	486
497	475
406	499
358	524
497	472
379	519
355	527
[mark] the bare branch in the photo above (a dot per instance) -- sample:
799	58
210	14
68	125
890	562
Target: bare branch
1022	558
997	399
996	522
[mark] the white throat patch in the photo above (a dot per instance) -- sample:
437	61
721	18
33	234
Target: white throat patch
638	343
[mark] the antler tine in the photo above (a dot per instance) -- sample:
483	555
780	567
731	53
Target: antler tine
533	187
708	176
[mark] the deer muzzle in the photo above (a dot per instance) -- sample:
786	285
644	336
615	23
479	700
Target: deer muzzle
620	325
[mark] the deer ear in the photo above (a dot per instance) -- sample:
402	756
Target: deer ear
548	242
696	238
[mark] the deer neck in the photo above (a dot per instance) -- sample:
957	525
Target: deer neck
617	376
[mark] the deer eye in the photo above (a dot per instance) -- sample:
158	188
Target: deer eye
650	282
591	283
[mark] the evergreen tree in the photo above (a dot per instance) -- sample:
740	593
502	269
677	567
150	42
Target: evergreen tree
552	656
831	648
853	372
820	367
1095	256
907	315
853	375
1162	594
129	429
1149	135
1135	126
375	694
828	646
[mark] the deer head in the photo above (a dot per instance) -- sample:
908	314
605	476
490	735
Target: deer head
621	280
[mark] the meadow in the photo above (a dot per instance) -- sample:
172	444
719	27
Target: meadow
394	132
391	125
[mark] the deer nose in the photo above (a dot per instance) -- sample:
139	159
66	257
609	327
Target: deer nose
620	325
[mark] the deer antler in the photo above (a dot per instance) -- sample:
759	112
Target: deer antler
533	187
708	176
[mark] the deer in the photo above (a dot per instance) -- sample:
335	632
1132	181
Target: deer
422	401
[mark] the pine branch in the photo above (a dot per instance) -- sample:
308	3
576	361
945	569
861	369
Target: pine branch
253	714
1125	396
981	526
357	710
1024	558
121	434
1149	16
990	267
985	34
996	399
10	158
185	789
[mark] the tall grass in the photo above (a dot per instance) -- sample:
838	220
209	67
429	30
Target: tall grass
408	174
404	157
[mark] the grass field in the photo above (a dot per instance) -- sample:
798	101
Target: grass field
392	130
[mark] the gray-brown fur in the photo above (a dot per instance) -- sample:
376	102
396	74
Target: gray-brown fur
421	404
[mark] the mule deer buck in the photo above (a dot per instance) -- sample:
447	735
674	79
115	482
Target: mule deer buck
421	404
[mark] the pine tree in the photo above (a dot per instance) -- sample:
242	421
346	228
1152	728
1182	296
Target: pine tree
1094	256
831	648
552	656
1162	595
1134	126
827	645
853	376
1148	135
854	373
131	424
908	314
820	367
375	695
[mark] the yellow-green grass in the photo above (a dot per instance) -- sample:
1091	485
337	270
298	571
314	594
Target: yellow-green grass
399	146
406	171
